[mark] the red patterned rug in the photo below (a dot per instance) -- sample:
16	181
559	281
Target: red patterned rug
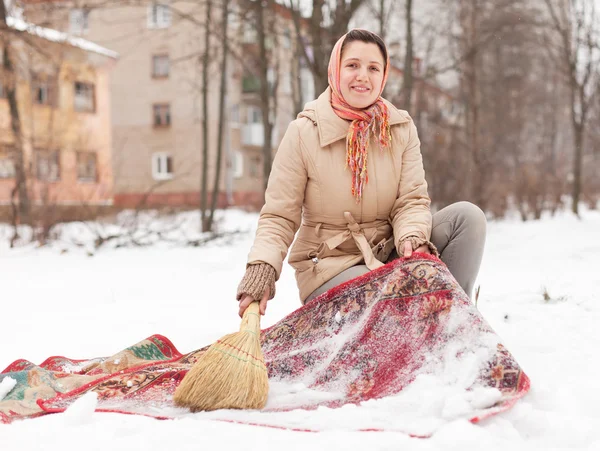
405	327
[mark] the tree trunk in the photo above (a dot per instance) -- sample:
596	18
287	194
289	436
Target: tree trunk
319	63
407	83
323	38
473	175
297	92
205	115
10	79
576	24
382	17
222	106
578	134
265	95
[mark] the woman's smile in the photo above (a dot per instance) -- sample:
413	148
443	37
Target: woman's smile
361	74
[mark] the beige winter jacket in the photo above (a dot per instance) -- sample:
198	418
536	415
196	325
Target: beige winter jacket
309	193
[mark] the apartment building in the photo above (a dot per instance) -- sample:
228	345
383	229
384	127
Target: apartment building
157	98
62	91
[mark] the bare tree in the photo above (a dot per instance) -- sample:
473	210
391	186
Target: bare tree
407	82
470	10
21	213
317	34
222	106
490	146
575	24
382	10
205	119
265	94
258	58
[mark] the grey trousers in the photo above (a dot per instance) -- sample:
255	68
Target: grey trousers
458	231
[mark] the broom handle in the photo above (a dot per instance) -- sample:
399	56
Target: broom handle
251	319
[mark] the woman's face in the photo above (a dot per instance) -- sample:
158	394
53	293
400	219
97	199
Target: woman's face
361	73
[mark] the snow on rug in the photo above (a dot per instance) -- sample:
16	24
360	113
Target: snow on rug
401	348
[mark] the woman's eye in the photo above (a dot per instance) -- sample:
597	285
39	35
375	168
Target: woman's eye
375	69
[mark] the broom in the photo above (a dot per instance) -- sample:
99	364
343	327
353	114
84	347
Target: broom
231	374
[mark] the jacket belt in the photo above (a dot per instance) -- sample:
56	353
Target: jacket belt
355	231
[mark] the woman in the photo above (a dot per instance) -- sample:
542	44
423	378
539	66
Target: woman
348	177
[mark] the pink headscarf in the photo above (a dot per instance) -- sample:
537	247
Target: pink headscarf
364	121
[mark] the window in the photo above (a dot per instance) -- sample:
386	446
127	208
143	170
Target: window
287	38
234	115
307	85
159	15
78	21
7	165
47	165
254	115
255	171
42	92
162	166
286	83
161	115
87	167
250	83
237	164
234	16
160	66
84	97
250	35
272	78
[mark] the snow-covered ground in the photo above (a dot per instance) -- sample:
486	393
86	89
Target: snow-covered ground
540	290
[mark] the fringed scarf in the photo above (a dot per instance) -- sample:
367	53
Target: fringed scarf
374	119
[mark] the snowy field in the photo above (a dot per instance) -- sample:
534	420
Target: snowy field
540	291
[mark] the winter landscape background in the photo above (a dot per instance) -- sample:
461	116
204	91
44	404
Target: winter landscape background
108	106
539	291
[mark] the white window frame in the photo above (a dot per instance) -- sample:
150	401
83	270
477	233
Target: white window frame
237	164
250	35
79	21
161	61
160	166
287	38
47	165
286	83
78	161
84	97
162	111
159	15
272	77
233	19
7	165
234	116
253	115
308	90
42	93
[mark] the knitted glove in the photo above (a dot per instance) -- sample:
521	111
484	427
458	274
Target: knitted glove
257	279
417	242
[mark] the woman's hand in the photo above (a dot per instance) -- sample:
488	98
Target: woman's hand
247	300
408	250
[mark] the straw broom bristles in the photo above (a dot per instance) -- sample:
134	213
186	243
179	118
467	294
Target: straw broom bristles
231	374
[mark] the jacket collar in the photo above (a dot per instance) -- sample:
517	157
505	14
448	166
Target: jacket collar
332	127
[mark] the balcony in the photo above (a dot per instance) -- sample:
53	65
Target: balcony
250	84
253	135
